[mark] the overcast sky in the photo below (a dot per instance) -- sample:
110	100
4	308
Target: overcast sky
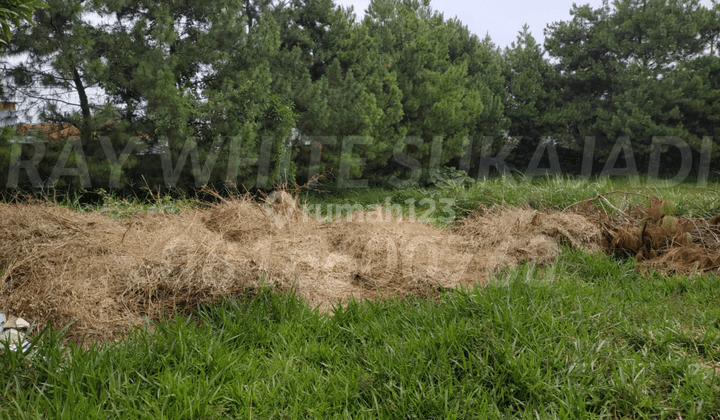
501	19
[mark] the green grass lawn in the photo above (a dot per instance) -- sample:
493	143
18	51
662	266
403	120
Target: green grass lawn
556	193
584	337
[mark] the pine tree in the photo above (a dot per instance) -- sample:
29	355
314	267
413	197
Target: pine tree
532	99
631	69
14	12
58	57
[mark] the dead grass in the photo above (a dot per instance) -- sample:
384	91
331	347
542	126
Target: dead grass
658	241
106	275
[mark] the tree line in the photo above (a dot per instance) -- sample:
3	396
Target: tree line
281	90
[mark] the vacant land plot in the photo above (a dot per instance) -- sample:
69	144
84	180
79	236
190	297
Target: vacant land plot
592	306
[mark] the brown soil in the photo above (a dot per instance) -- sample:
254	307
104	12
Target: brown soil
106	275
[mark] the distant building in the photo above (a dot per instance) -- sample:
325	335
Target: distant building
28	132
8	114
53	131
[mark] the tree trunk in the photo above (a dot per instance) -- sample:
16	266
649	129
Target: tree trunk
85	130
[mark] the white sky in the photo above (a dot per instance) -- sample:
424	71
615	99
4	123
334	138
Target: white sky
501	19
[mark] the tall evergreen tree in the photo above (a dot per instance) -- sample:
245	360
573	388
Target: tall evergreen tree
628	70
446	91
533	97
486	68
53	57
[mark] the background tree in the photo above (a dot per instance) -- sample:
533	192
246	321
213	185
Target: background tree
486	68
448	78
627	70
250	82
15	12
533	97
51	58
356	91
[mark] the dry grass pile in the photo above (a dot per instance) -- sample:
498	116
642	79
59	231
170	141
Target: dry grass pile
658	241
107	274
507	236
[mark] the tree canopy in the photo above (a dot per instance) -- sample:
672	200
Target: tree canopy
633	70
253	92
14	12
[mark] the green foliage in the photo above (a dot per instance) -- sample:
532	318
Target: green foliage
633	70
15	12
274	92
556	193
584	337
447	77
448	177
58	55
533	98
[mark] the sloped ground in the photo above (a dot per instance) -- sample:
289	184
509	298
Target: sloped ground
109	274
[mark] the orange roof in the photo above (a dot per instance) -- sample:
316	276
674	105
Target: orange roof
53	131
